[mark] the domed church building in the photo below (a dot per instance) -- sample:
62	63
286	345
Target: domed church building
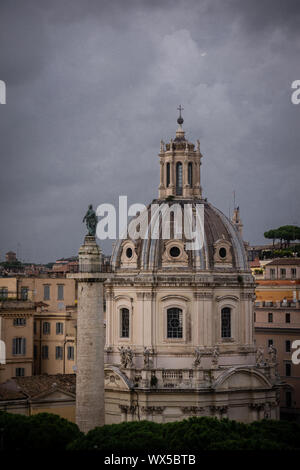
179	317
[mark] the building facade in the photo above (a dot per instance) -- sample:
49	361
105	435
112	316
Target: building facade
179	322
277	323
40	313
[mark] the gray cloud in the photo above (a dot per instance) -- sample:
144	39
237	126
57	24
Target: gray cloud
92	87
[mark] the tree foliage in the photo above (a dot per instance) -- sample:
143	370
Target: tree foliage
192	435
286	233
41	431
46	431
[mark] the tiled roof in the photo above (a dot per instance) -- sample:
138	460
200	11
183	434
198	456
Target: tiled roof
285	262
23	387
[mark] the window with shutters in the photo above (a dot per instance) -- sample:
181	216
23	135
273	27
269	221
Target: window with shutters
59	328
46	292
71	353
58	352
20	372
19	321
60	292
46	328
19	346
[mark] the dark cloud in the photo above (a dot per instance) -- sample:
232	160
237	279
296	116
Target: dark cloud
92	87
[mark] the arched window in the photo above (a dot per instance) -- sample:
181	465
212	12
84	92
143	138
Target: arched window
174	323
190	174
168	175
124	323
226	322
179	179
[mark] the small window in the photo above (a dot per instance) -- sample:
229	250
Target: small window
60	292
45	352
288	369
71	353
270	342
3	293
124	323
283	273
222	252
272	273
24	293
19	346
129	252
254	316
226	322
293	273
174	323
287	346
58	352
287	318
20	372
175	252
46	328
288	399
270	317
46	292
59	328
19	321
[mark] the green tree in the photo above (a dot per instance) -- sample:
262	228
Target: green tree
41	431
286	233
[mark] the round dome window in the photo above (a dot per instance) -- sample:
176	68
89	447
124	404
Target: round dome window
129	252
174	251
222	252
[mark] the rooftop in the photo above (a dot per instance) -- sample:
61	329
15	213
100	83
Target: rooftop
285	262
30	387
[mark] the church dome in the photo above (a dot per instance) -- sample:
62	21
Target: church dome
222	248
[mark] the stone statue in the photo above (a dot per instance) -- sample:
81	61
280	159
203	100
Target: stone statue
123	356
272	354
147	361
126	356
129	354
260	356
91	221
215	356
197	360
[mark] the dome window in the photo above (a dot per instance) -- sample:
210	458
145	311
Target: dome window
222	252
175	252
129	252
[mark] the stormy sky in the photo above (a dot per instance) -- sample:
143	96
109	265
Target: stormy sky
93	86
